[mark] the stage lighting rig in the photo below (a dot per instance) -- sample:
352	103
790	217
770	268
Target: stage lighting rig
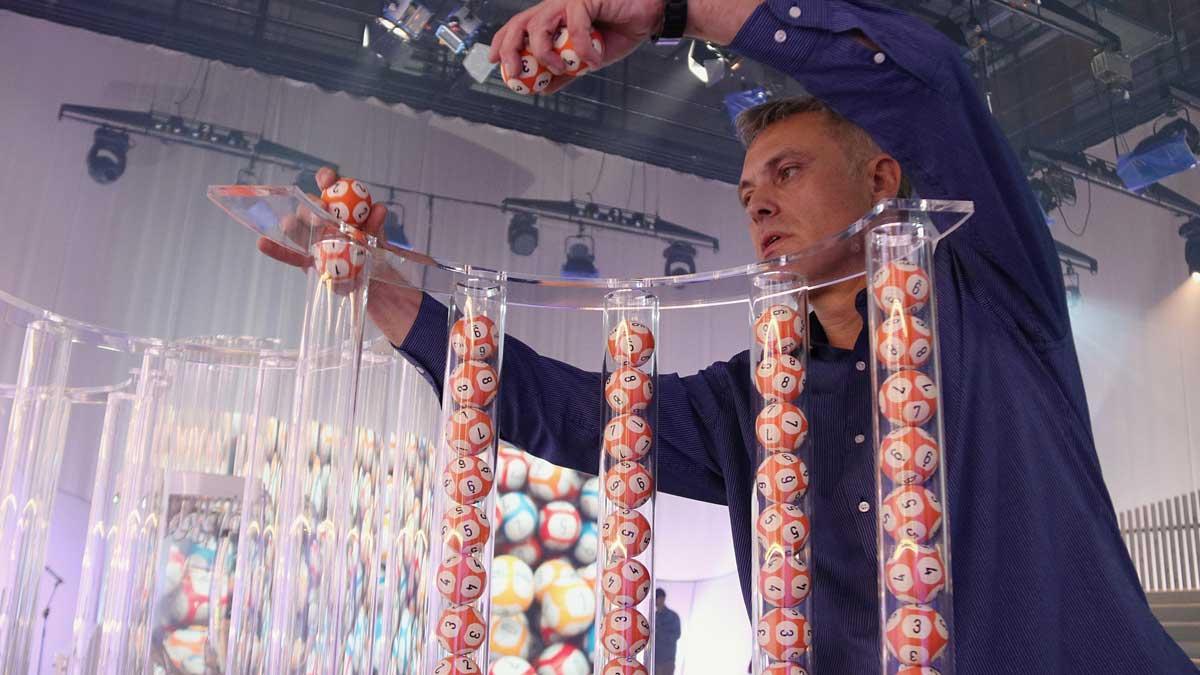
1170	150
106	159
1104	174
595	215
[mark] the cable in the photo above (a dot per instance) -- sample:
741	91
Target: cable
599	175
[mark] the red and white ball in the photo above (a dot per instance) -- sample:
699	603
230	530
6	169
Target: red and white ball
914	573
628	437
549	482
782	528
916	635
465	529
782	477
560	526
628	390
784	580
626	583
339	260
474	383
511	665
467	480
909	455
784	634
908	398
779	378
624	632
903	341
562	659
461	630
779	330
469	431
348	200
625	533
918	670
565	45
457	665
630	343
512	468
784	668
475	336
781	427
624	666
461	579
911	512
535	77
528	551
900	285
628	485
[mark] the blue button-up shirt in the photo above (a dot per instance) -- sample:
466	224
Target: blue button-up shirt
1043	583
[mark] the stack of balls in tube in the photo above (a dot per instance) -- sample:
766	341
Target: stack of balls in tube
911	514
783	633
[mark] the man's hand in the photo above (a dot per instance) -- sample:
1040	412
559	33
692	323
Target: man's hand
392	307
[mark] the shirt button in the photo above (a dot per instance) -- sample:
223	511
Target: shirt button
863	506
780	35
880	58
794	12
861	366
859	439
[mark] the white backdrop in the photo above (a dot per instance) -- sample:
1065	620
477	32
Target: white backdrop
150	254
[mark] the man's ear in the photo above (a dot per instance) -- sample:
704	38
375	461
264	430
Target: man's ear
885	175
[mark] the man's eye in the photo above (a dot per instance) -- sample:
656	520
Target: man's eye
788	171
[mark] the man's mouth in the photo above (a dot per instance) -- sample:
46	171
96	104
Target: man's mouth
769	241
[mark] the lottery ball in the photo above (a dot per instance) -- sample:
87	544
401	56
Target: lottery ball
184	648
528	551
474	336
568	607
781	427
347	200
533	77
908	455
628	485
784	580
562	659
900	285
588	573
460	629
549	573
625	534
550	482
911	512
779	378
189	606
782	477
588	546
916	635
626	583
456	665
564	44
465	529
512	585
589	498
627	437
630	343
903	341
918	670
915	574
518	516
908	398
560	526
625	632
513	469
469	431
473	383
511	665
782	528
339	260
784	669
624	666
461	579
628	390
510	636
779	330
784	634
467	480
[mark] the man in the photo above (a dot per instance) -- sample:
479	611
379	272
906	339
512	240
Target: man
1043	583
666	634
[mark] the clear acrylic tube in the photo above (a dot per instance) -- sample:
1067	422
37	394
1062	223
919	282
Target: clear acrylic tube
915	590
781	508
461	555
628	473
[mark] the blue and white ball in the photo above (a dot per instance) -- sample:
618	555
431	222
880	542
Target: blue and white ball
588	545
589	498
518	517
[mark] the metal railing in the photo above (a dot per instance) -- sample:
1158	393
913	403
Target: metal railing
1164	541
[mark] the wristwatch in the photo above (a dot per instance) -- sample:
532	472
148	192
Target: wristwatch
674	23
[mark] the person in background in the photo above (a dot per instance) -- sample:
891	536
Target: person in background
666	634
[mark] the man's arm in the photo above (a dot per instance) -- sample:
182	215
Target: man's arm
554	410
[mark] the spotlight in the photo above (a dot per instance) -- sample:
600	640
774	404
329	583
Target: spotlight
106	159
1190	231
388	34
459	30
1071	284
581	259
523	233
175	125
681	259
1170	150
706	62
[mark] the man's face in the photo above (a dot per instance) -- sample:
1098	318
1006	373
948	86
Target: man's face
799	186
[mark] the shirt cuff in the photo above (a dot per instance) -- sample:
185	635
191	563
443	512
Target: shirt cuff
426	342
783	33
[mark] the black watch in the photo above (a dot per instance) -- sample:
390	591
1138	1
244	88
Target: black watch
674	23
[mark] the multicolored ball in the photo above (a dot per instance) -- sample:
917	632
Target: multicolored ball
916	635
785	634
630	343
911	512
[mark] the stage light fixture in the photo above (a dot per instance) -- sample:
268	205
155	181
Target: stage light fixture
522	233
1190	231
459	30
1170	150
106	159
398	23
707	62
581	257
681	259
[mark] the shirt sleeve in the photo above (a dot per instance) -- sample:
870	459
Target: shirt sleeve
555	410
916	98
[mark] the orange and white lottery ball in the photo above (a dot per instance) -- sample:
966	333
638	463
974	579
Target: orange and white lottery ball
916	635
461	579
564	44
457	665
533	78
560	526
624	666
900	285
474	336
467	480
781	427
628	390
461	630
550	482
348	200
911	512
909	455
784	668
630	343
779	378
339	260
474	383
624	632
918	670
779	330
784	634
469	431
915	573
510	665
908	397
628	437
625	533
628	485
784	580
782	528
903	341
626	583
782	477
465	529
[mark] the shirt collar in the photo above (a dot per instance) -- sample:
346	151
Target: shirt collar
820	340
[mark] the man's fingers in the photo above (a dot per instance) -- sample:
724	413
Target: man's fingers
282	253
326	177
541	42
514	41
579	26
374	222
